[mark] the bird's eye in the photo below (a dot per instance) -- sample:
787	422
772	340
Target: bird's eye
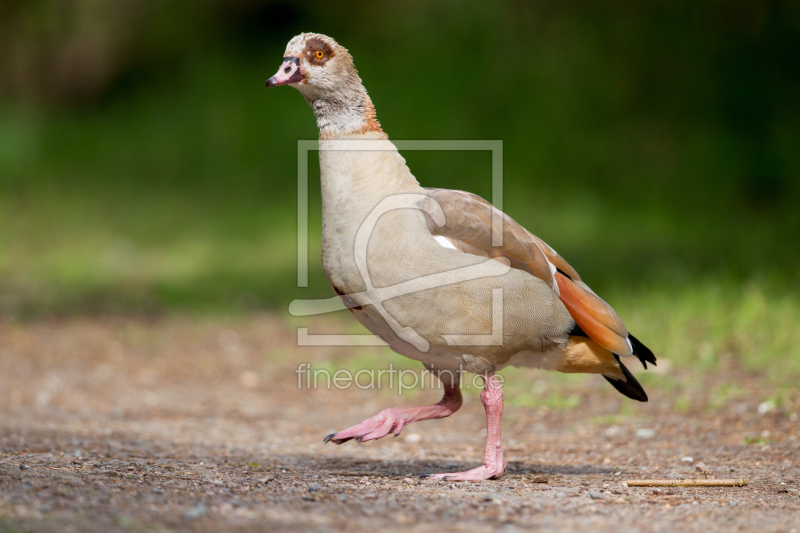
319	54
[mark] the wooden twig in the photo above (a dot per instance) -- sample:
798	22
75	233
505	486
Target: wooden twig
687	482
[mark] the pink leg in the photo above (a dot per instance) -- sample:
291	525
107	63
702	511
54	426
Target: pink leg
493	462
393	419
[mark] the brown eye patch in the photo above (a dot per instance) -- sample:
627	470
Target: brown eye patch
318	52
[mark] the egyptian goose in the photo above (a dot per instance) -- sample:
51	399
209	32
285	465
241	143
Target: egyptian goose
441	276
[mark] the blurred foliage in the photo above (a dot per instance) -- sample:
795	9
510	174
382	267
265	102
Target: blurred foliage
144	167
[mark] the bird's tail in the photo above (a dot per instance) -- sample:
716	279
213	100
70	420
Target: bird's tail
629	387
583	355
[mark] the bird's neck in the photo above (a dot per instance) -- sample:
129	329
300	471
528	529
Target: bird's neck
357	172
344	112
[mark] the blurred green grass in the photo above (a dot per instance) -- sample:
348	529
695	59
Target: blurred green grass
708	329
655	148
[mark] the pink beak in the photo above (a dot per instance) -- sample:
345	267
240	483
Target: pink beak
288	73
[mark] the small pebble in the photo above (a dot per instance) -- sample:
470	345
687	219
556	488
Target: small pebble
23	467
413	437
595	495
196	512
645	433
249	379
766	407
688	459
314	487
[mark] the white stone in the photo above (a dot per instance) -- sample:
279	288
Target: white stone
413	437
766	407
645	433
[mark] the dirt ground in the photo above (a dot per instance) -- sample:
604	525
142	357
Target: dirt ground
198	424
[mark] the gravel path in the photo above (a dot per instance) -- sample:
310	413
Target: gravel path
178	424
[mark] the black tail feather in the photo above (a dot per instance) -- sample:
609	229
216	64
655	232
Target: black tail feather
630	388
641	351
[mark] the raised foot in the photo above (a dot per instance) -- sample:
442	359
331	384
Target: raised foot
386	422
476	474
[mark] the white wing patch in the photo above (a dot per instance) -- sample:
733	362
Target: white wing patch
552	267
553	271
630	347
444	242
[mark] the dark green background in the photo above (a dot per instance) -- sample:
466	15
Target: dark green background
144	166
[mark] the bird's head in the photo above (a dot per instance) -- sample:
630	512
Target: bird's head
323	71
314	64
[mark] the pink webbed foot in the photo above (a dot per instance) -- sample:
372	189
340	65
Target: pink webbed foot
493	462
481	473
393	420
387	421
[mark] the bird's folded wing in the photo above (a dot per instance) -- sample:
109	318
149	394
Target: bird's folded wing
476	227
469	227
